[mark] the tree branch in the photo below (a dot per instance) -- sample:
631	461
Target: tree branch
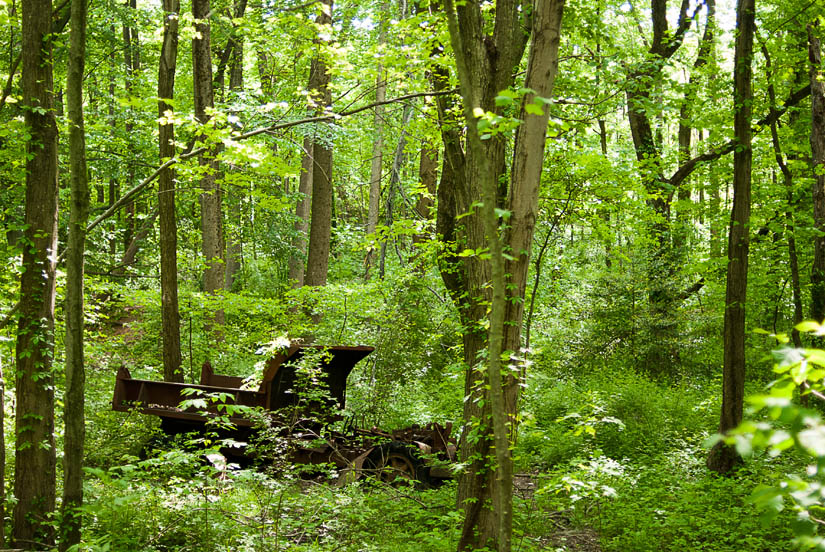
127	197
687	168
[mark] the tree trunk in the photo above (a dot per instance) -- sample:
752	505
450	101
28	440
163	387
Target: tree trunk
74	398
297	262
683	219
662	266
818	162
212	197
398	160
722	457
130	255
114	192
131	58
170	315
787	178
320	229
378	141
428	177
714	207
234	249
35	459
486	66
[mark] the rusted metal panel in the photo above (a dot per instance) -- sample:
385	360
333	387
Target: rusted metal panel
209	377
336	362
354	451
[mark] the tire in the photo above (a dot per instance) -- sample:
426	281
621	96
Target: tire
398	464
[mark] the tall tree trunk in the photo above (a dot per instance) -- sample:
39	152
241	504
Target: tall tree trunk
131	58
74	398
378	140
640	106
787	177
722	457
114	192
170	314
818	162
714	208
683	219
211	199
398	160
428	178
320	229
486	66
297	262
234	249
35	458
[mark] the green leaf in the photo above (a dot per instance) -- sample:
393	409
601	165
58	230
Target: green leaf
533	109
503	100
809	326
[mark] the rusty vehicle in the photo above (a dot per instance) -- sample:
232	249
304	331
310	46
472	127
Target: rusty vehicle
416	453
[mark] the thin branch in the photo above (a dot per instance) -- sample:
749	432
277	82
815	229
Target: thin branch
691	165
127	197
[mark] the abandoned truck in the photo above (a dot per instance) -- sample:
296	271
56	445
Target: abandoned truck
415	453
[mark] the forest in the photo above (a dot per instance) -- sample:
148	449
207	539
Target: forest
586	238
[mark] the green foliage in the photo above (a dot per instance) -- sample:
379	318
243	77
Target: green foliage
621	415
673	504
788	428
174	502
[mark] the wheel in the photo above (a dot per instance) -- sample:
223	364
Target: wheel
397	464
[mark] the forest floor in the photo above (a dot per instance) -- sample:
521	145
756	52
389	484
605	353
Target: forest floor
577	540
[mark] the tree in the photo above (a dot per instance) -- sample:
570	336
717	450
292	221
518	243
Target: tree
234	249
297	261
643	104
486	65
790	225
723	457
211	199
170	315
35	459
74	398
376	162
320	229
818	162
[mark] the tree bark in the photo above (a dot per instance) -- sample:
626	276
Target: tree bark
74	398
378	141
818	162
685	131
131	58
212	197
662	266
398	160
428	177
787	177
35	459
320	229
234	249
723	458
486	66
297	262
170	315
